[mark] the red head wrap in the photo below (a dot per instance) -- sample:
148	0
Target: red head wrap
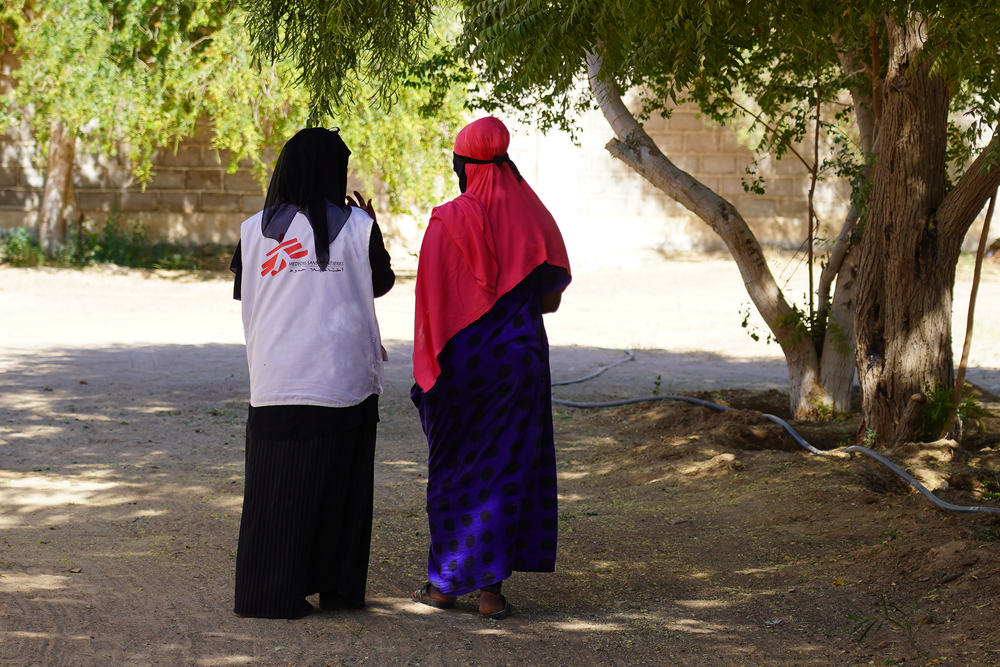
478	247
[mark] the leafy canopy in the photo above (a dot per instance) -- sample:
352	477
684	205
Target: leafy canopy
759	64
779	54
140	74
334	43
135	75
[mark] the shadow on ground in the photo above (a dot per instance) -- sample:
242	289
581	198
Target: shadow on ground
121	478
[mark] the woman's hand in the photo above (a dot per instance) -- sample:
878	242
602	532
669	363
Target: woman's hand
360	203
551	301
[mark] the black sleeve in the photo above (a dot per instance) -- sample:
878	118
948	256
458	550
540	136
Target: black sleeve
236	266
383	277
554	278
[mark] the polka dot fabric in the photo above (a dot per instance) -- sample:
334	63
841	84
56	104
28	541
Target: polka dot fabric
491	490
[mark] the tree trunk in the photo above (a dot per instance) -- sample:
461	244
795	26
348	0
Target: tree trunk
57	193
956	396
907	262
636	149
910	420
837	366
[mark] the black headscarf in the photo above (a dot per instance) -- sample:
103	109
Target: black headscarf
458	163
310	176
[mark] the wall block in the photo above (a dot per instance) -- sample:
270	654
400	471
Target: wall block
192	199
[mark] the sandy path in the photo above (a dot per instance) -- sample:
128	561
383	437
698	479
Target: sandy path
682	318
122	398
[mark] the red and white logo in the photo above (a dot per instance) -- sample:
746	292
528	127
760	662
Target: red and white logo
292	248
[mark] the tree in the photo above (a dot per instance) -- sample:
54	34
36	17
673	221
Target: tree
334	44
105	76
907	67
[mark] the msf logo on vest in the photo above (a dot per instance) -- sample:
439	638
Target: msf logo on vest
291	248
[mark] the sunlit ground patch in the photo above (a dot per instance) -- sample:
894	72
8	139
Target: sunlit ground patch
25	583
29	493
584	626
603	564
225	660
758	570
701	604
392	606
21	634
692	626
720	461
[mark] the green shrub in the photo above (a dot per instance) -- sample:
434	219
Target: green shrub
78	250
940	401
19	247
173	256
125	243
185	257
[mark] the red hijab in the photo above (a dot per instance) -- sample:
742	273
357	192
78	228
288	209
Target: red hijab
478	247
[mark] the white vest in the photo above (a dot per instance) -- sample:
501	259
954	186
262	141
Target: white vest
312	336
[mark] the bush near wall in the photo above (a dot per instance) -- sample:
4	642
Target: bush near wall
121	243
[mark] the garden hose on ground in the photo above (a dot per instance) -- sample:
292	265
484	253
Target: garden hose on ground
629	356
899	472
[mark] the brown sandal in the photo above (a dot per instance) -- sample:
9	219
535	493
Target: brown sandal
507	610
423	596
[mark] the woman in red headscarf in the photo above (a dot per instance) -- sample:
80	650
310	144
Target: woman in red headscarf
492	261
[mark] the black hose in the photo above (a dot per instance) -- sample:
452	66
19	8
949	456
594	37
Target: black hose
899	472
629	356
964	509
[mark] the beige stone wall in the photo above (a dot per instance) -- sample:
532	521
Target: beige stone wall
608	214
715	157
599	195
191	198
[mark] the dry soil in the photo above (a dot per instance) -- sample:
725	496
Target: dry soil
686	537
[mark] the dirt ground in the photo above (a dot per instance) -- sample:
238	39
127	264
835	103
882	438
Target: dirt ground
687	537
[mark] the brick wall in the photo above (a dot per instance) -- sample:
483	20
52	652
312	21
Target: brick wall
191	198
607	212
595	194
715	157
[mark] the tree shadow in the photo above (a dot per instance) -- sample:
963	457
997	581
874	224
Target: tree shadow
121	480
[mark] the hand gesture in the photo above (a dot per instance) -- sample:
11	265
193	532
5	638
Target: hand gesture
360	203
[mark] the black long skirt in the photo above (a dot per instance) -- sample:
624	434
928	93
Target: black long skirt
307	520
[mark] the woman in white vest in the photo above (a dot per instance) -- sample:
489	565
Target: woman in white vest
308	269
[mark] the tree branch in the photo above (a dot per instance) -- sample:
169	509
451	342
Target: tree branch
876	73
867	124
635	148
956	397
862	99
812	188
867	127
959	209
772	130
837	254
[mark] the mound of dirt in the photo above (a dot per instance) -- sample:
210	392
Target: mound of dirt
673	425
771	401
669	432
